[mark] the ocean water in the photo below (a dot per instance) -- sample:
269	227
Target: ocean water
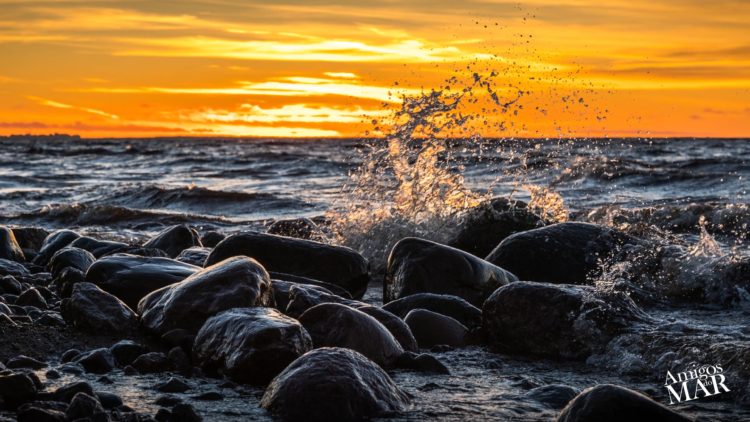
692	193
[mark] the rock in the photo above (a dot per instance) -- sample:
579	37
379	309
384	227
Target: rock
131	277
554	396
40	414
162	415
421	266
70	257
337	290
179	337
184	413
452	306
98	361
300	228
85	406
208	396
250	345
8	284
50	319
333	384
5	310
295	299
32	297
431	329
91	309
613	403
70	355
53	243
152	362
234	283
394	324
211	238
194	256
52	374
67	392
167	400
108	400
126	351
9	248
30	237
576	320
492	221
67	279
421	363
560	253
336	325
12	268
332	264
174	240
98	248
16	389
22	361
179	360
173	385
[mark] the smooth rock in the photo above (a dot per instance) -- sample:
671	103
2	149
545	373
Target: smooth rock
194	256
613	403
92	310
97	247
421	266
53	243
421	363
68	391
394	324
452	306
13	268
174	240
22	361
8	284
431	328
40	414
554	396
16	389
337	290
85	406
98	361
210	239
184	413
332	264
30	237
31	297
126	351
9	248
70	257
67	279
333	384
152	362
250	345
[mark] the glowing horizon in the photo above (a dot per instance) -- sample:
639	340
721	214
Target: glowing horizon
233	68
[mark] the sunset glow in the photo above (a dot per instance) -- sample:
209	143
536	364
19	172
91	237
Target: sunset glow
263	68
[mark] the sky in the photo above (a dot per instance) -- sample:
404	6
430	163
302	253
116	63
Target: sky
310	68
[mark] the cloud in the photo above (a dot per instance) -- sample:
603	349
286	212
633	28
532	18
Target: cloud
56	104
291	113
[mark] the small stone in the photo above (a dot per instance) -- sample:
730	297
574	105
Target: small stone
209	396
173	385
184	413
152	362
70	355
167	400
99	361
22	361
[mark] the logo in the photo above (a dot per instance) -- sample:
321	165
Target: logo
704	381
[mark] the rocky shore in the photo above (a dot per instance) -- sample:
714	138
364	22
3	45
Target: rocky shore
276	325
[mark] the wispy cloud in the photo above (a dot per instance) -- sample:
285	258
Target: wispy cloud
57	104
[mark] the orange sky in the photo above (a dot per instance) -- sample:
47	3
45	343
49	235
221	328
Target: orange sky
314	68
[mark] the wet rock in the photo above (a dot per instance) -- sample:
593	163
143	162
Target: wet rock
152	362
301	297
431	329
70	257
8	284
613	403
50	319
554	396
9	248
250	345
16	388
194	256
85	406
492	221
108	400
126	351
332	264
179	359
22	361
174	240
421	363
70	355
560	253
333	384
40	414
52	374
421	266
131	277
209	396
72	368
337	290
30	237
184	413
5	310
67	279
179	337
95	311
211	238
336	325
234	283
31	297
452	306
53	243
98	248
163	415
98	361
173	385
576	320
12	268
167	400
300	228
394	324
67	392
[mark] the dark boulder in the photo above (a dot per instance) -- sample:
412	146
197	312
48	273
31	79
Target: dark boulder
613	403
194	256
337	290
53	243
9	285
98	248
31	297
300	228
210	239
174	240
431	329
126	351
70	257
333	264
68	391
184	412
452	306
560	253
492	221
92	310
250	345
30	238
337	325
421	266
22	361
152	362
394	324
333	384
131	277
9	248
68	278
421	363
554	396
303	297
556	320
85	406
97	361
234	283
13	268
